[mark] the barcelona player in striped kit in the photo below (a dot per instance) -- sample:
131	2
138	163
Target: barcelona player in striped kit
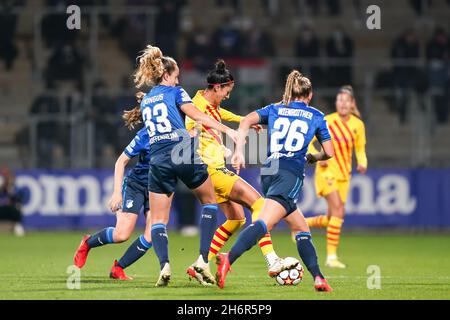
291	124
332	177
232	192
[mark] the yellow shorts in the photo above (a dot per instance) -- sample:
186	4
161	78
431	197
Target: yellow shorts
223	181
326	183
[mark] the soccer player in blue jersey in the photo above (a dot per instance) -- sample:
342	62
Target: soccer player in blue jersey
173	155
129	196
292	124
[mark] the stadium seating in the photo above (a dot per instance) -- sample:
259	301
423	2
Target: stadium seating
113	65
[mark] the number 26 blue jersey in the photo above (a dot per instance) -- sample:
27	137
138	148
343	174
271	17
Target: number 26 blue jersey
291	129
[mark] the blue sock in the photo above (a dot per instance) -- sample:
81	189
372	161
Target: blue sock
208	225
101	238
308	254
134	252
247	239
160	243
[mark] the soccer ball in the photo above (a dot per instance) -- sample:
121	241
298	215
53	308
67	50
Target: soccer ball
290	277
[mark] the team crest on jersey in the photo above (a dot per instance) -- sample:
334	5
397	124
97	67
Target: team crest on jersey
184	96
129	204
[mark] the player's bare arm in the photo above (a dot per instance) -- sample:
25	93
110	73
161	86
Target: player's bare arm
192	112
326	153
119	171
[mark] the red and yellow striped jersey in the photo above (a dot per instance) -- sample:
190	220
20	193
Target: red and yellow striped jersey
211	148
346	136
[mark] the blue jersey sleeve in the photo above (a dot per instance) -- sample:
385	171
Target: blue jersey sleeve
322	132
264	114
182	97
135	147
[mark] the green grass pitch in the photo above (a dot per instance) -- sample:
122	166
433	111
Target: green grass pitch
412	267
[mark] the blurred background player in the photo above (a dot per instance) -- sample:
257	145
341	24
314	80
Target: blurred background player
130	195
172	155
292	125
10	208
332	177
232	192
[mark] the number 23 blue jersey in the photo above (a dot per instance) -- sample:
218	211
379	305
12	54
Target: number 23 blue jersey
163	118
291	129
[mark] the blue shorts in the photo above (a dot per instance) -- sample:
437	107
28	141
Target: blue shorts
284	188
164	174
134	196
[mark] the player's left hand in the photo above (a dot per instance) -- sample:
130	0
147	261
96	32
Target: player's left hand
361	169
115	202
310	159
238	162
227	152
257	127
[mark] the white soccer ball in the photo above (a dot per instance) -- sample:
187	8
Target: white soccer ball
290	277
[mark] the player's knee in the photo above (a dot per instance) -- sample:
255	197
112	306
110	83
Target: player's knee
337	210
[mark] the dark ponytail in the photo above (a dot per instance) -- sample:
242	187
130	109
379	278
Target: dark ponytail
220	75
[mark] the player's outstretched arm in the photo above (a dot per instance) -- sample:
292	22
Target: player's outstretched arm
192	112
231	117
238	160
119	171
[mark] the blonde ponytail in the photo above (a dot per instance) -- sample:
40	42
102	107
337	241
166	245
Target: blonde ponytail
150	69
297	86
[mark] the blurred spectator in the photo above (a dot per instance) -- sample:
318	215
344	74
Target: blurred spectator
334	7
66	63
10	209
438	55
168	25
314	6
53	26
198	49
420	6
227	40
404	52
8	27
272	7
105	19
48	130
257	42
339	48
125	100
236	4
102	113
307	46
130	30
